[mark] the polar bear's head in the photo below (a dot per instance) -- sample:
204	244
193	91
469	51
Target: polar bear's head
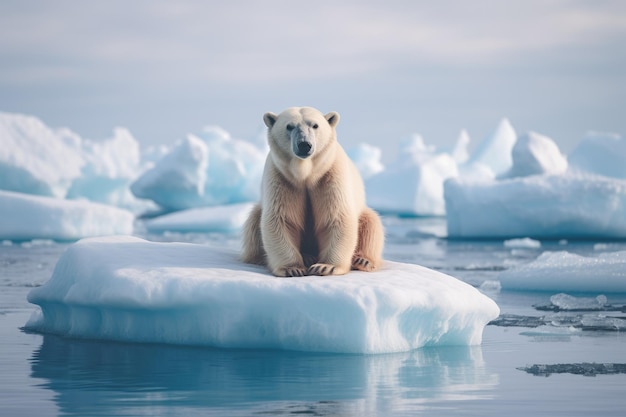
300	131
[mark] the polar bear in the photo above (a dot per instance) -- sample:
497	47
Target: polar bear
312	218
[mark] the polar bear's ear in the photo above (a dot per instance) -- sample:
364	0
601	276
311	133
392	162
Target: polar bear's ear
332	118
269	119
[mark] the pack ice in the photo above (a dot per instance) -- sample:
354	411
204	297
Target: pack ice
128	289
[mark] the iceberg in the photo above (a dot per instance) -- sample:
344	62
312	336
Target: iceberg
460	152
204	170
600	153
28	217
538	206
538	197
535	154
35	159
38	160
227	218
366	158
563	271
495	151
414	184
110	166
127	289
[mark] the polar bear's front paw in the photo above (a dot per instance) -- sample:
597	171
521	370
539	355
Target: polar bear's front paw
290	271
361	263
321	269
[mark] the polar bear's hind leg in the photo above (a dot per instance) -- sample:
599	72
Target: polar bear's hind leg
368	253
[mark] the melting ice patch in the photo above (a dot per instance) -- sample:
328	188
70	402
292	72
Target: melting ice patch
522	243
567	272
128	289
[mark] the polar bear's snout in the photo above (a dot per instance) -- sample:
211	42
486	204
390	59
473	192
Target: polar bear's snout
302	142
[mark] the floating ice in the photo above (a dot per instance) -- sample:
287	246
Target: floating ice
460	151
522	243
585	368
128	289
110	166
367	159
204	170
496	149
562	324
535	154
228	218
564	301
413	185
538	206
567	272
27	217
35	159
600	153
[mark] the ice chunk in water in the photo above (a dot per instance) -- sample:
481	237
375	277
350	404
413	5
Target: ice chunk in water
568	302
127	289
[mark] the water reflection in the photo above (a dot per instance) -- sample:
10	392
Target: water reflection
96	378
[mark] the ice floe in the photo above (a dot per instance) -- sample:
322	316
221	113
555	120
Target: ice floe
602	154
128	289
207	169
226	218
563	271
413	185
27	217
537	206
535	154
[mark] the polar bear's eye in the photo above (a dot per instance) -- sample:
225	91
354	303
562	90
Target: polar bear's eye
315	126
290	127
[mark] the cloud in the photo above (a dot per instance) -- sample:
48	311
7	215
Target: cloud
248	41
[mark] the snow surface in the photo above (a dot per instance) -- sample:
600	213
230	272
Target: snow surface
27	217
128	289
537	206
227	218
563	271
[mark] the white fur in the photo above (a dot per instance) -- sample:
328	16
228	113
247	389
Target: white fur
312	218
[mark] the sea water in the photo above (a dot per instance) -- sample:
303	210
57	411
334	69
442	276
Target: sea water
46	375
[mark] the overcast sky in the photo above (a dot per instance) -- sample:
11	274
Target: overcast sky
391	68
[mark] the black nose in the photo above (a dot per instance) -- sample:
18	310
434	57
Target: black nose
304	148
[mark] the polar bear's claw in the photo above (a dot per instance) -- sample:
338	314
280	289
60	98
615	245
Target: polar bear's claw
321	269
362	264
290	271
